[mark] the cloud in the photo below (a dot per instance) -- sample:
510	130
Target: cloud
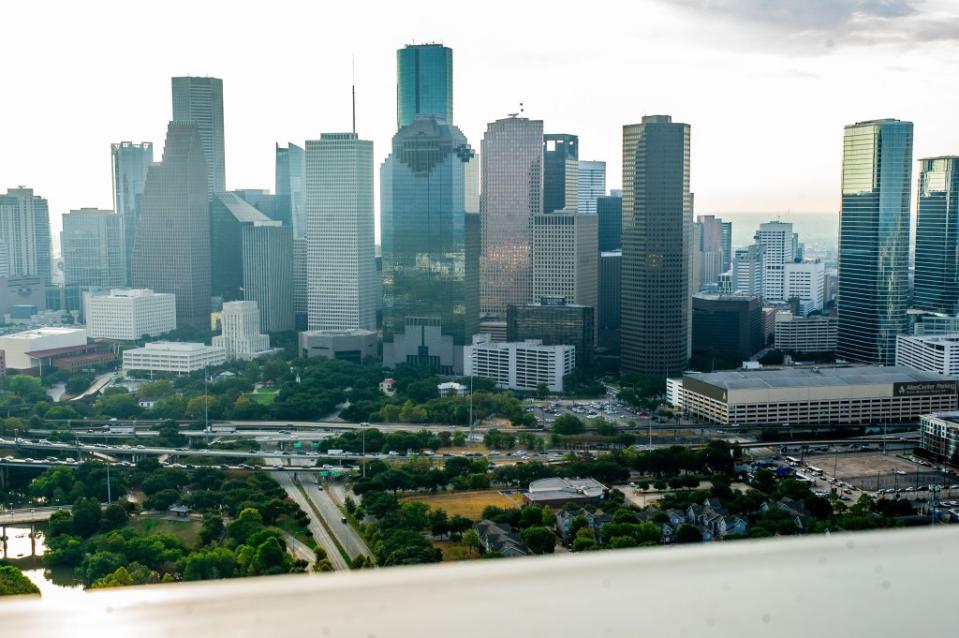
822	25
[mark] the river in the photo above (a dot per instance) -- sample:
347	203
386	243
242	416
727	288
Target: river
54	584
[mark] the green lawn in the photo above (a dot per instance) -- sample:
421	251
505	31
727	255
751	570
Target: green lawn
187	531
263	396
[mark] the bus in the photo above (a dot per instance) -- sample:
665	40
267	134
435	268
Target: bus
793	460
815	471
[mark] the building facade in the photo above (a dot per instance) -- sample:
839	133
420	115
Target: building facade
172	249
520	366
560	171
874	240
268	273
300	303
25	235
340	273
127	314
747	275
92	250
935	353
554	322
18	346
609	211
169	356
512	192
727	324
590	185
424	83
657	247
200	100
130	163
939	435
805	282
817	333
290	185
344	345
608	308
779	247
241	337
936	283
564	257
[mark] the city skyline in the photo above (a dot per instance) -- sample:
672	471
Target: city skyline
822	50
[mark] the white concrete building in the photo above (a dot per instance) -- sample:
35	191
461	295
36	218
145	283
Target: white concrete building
780	246
128	314
170	356
565	257
747	272
805	281
519	365
17	345
932	353
806	334
241	337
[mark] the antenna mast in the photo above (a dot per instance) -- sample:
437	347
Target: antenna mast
353	67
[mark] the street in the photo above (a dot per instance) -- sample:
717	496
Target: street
348	538
316	527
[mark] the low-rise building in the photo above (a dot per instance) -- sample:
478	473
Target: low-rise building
500	538
817	333
388	387
128	314
354	345
939	435
171	356
519	366
820	395
727	324
18	346
932	353
558	491
451	389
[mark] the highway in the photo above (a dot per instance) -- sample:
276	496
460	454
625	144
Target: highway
322	537
30	515
347	536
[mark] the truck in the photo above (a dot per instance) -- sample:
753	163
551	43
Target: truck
222	427
121	429
334	452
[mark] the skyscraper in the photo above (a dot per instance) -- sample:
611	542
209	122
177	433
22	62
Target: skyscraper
92	249
564	257
200	100
512	172
708	249
747	275
874	239
339	215
657	247
172	248
25	230
424	83
560	171
290	185
937	236
609	209
130	162
300	304
780	247
429	204
591	185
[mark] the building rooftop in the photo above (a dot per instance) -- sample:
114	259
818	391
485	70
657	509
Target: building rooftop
134	292
943	339
241	210
556	487
174	346
769	378
345	332
39	333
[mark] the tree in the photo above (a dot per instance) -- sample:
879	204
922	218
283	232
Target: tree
540	540
212	529
688	534
568	424
120	406
13	582
270	557
113	517
86	517
471	540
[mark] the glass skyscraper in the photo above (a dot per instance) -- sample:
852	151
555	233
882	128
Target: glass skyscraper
874	240
937	236
657	247
290	191
91	249
560	171
429	205
591	185
130	163
200	100
609	209
424	83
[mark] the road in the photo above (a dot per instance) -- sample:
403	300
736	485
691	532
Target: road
316	528
347	536
300	550
31	515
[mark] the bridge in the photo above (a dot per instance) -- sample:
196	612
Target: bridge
29	515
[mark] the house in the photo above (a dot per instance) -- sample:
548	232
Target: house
559	491
792	507
500	538
451	389
713	516
180	511
388	387
596	520
676	518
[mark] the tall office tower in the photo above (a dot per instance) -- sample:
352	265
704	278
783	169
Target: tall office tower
564	257
560	171
804	283
610	299
747	275
780	245
936	286
708	249
424	83
91	246
252	259
657	247
726	245
429	203
874	240
172	248
267	203
300	306
241	337
25	229
609	209
200	100
339	215
512	172
290	182
590	185
130	162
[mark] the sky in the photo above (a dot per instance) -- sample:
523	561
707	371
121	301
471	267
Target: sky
767	85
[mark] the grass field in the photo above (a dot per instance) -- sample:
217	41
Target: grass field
186	531
468	504
453	550
263	397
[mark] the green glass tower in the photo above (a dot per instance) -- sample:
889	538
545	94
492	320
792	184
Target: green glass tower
424	83
937	236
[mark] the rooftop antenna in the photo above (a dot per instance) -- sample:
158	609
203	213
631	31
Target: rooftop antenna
353	69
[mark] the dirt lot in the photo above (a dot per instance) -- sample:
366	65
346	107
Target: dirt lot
871	470
468	504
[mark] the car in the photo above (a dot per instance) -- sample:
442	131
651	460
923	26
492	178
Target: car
140	447
343	519
910	489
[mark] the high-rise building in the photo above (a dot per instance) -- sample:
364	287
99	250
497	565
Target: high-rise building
172	248
564	258
200	100
711	247
290	185
804	283
241	337
609	306
590	185
780	247
128	314
25	232
130	162
560	171
424	83
729	325
609	209
91	246
512	161
937	236
874	239
726	245
300	305
273	206
657	247
429	203
747	275
339	211
252	258
555	323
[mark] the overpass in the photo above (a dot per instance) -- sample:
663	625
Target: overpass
29	515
